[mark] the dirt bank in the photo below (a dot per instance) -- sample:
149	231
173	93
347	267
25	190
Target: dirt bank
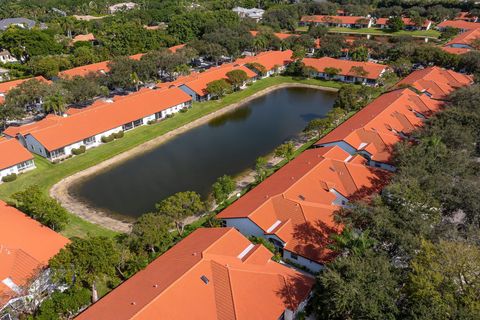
60	190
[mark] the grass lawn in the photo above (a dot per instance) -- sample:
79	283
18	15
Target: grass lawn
47	174
374	31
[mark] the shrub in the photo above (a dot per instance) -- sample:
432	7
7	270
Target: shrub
10	177
170	115
183	110
118	135
79	150
151	122
107	139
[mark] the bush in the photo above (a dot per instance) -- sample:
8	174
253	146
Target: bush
10	177
79	150
150	122
170	115
118	135
183	110
107	139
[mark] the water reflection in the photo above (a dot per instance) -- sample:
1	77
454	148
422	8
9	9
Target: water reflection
193	161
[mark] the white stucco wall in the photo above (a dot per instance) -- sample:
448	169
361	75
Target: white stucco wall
245	226
15	169
309	264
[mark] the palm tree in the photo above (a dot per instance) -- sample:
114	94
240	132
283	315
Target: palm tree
55	103
259	43
135	80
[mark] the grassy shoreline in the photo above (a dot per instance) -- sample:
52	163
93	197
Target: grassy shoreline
47	174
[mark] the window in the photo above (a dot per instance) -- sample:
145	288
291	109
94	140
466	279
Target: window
24	165
138	122
293	256
89	140
127	126
57	153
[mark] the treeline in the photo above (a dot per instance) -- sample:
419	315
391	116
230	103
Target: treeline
413	252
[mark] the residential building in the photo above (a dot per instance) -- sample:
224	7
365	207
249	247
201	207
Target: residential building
459	24
409	25
436	82
252	13
4	75
345	70
294	207
14	158
213	273
124	6
338	21
374	130
7	57
7	86
82	71
274	62
26	246
19	22
464	41
195	84
56	137
89	37
466	16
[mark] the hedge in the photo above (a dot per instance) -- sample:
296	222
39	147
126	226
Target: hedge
10	177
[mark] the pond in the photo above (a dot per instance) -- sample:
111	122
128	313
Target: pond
192	161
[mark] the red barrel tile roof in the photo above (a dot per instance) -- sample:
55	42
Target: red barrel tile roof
12	153
213	273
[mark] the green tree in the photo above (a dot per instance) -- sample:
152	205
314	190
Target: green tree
48	66
359	71
45	210
319	126
120	74
83	263
444	282
356	287
360	53
261	169
55	103
395	24
237	78
336	115
218	88
331	71
180	206
285	150
151	233
222	188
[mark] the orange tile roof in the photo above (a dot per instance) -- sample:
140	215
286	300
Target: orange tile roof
406	21
25	247
281	36
198	81
49	120
333	19
438	82
82	71
103	65
9	85
465	16
296	203
459	24
377	127
240	281
63	131
269	59
175	48
12	153
455	50
374	69
84	37
465	38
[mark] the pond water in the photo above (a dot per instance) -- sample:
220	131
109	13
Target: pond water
192	161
